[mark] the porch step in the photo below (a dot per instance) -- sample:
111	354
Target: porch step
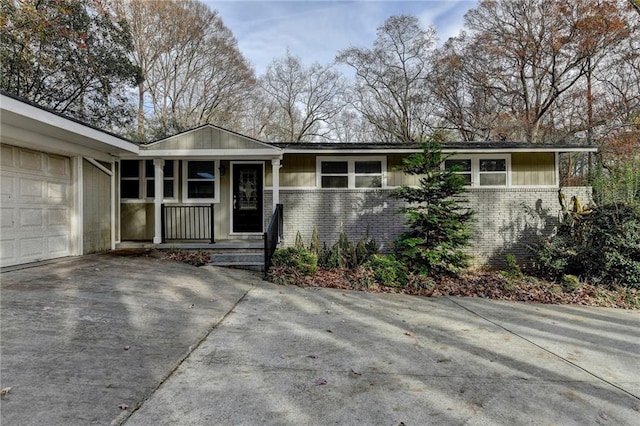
244	254
239	258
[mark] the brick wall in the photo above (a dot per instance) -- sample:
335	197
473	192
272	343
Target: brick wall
359	212
507	220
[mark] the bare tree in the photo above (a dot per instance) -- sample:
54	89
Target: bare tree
194	72
460	85
538	51
390	82
351	127
302	100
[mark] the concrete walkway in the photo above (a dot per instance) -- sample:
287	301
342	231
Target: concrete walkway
266	354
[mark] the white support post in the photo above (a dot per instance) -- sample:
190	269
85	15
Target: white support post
275	184
114	210
158	188
77	223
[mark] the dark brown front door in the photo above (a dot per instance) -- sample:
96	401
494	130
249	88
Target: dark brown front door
247	197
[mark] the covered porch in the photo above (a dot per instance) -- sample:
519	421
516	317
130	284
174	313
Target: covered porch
208	188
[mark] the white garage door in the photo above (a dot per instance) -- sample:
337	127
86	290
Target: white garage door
36	206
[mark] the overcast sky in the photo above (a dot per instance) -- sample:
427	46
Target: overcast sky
317	30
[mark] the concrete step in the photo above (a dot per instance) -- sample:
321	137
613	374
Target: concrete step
246	259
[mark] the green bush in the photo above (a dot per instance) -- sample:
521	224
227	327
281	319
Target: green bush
301	260
555	257
603	247
513	270
388	271
570	282
344	254
612	252
436	216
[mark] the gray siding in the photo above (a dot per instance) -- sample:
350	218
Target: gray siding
207	137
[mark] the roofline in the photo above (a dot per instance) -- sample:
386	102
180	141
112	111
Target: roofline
461	150
213	126
270	152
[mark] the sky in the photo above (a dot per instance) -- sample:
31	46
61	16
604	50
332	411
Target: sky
317	30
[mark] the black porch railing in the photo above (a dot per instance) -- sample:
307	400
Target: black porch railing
275	232
187	223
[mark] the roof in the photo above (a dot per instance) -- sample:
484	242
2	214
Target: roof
20	115
458	147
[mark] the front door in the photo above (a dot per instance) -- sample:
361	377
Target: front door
247	197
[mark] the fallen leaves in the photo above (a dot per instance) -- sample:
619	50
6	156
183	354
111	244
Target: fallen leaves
485	284
4	392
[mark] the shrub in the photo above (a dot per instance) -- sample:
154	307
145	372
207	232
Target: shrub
301	260
512	270
555	257
570	282
612	252
437	220
343	254
602	247
388	271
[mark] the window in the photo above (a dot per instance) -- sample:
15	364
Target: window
169	179
481	170
335	174
200	183
493	172
137	179
368	174
460	166
130	179
351	172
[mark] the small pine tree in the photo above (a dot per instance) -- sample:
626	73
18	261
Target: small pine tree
438	224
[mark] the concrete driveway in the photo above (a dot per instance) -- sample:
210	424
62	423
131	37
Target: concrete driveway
214	346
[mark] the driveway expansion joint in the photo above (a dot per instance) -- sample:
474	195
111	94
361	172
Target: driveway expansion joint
566	360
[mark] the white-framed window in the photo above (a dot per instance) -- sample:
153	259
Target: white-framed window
170	187
200	183
485	170
351	172
492	171
130	175
462	167
137	180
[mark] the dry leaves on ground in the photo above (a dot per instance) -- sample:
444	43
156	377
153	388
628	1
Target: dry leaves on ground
485	284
